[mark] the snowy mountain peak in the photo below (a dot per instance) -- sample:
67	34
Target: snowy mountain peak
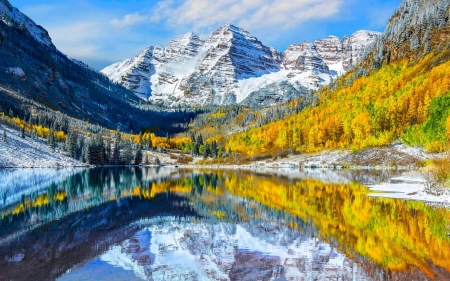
183	48
12	16
233	66
342	54
304	57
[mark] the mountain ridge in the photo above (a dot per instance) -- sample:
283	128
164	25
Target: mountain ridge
34	72
231	65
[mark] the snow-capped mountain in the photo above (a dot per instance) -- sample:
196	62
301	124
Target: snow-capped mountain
13	17
232	66
157	70
342	54
33	69
226	251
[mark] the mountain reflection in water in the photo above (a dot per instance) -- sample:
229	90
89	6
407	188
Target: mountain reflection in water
181	224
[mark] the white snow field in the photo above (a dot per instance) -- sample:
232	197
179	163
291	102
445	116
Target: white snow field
28	153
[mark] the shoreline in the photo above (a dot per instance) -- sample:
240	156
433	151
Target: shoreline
404	184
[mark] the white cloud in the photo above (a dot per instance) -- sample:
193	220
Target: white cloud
130	19
250	14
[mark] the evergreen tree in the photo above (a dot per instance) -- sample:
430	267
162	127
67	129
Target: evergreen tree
127	155
95	150
80	149
87	156
138	156
199	139
195	149
206	151
146	161
4	136
116	150
22	132
99	150
157	161
71	145
193	137
108	152
214	149
51	140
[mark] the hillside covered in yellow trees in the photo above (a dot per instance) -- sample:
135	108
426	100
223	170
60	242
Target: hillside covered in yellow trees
400	91
398	101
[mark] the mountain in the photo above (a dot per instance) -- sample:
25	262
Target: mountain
226	251
416	29
36	76
156	67
13	17
232	66
342	54
37	71
400	91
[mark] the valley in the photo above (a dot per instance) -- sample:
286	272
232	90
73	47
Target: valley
212	155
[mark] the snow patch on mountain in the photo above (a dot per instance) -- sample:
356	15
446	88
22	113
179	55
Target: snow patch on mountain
19	152
16	71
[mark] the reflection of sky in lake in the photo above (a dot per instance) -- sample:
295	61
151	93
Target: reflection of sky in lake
215	225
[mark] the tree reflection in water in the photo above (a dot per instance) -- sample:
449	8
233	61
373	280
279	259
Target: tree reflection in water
227	224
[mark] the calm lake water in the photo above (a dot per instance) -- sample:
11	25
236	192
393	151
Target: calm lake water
180	224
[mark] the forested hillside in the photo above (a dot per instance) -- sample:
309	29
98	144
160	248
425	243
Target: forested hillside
34	71
399	92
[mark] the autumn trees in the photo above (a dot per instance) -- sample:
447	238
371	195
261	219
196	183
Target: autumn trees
398	101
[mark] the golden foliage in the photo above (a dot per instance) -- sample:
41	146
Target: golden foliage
371	111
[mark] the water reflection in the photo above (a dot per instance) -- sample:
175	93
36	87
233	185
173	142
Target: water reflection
214	225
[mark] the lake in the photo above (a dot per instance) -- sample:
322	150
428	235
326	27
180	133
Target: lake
200	224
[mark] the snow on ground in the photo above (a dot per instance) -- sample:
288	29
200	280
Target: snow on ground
16	71
395	155
409	186
28	153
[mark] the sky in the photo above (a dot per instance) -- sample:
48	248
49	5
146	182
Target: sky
101	32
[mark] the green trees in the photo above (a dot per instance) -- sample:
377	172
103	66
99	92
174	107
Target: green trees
138	156
71	145
95	151
127	153
116	151
51	140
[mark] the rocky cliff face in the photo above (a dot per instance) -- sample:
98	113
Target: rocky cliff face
415	29
228	55
232	66
342	54
157	71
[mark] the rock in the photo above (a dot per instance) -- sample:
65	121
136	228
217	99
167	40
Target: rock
232	66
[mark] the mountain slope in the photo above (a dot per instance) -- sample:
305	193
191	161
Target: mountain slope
415	29
13	17
33	71
38	71
232	66
404	94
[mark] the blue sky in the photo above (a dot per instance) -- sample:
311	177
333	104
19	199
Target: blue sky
101	32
